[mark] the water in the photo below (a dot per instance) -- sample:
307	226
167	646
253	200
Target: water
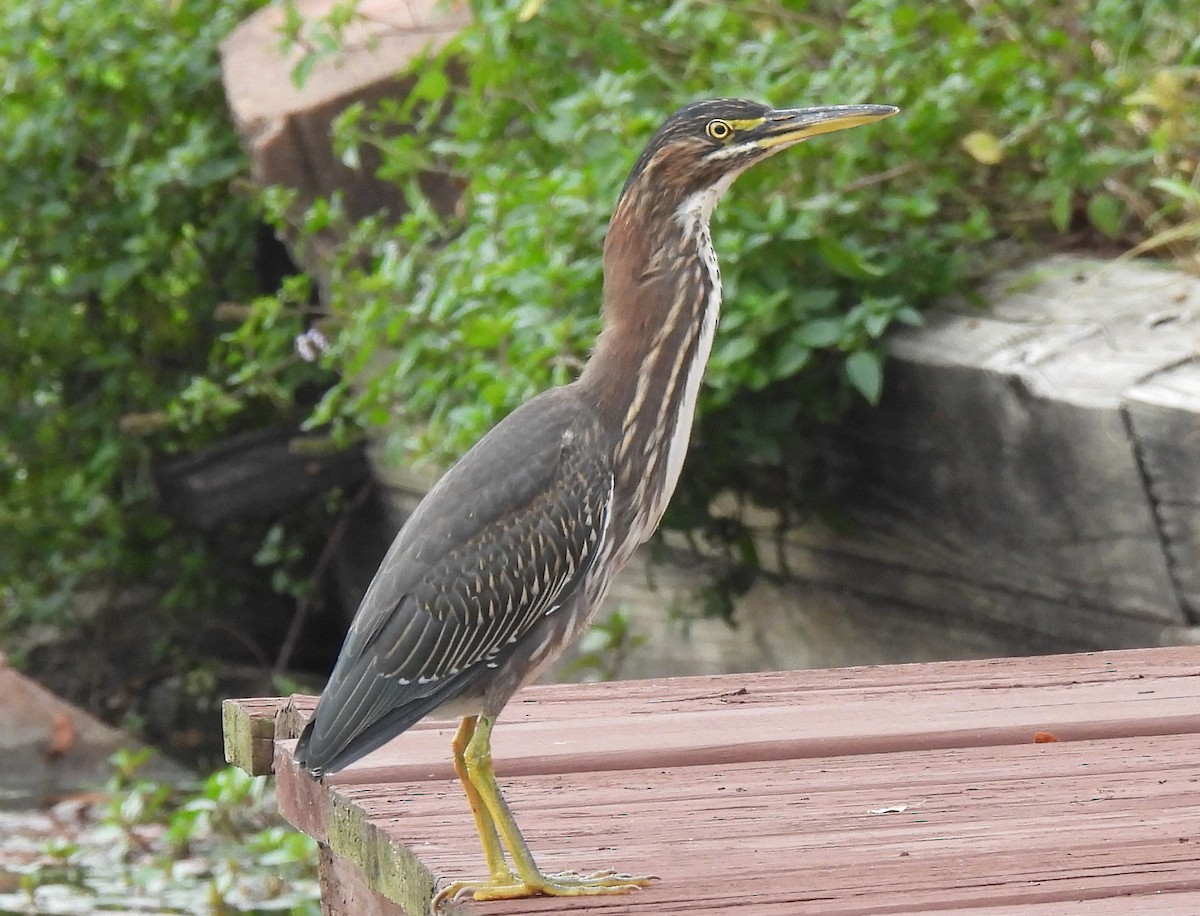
78	858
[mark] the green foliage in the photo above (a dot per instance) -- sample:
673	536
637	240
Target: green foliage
119	237
217	848
1023	124
121	246
1164	110
605	647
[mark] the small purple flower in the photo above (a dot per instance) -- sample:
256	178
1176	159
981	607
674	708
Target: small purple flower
311	344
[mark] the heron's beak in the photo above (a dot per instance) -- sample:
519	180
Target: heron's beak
787	126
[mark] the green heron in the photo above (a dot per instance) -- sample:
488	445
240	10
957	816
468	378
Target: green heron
506	559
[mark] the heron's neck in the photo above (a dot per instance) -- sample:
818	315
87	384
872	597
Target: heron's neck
662	299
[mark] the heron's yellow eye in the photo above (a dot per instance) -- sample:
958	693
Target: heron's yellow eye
718	129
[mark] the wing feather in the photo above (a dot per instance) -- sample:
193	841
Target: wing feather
498	543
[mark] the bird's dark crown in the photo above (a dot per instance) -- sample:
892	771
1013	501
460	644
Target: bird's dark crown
687	137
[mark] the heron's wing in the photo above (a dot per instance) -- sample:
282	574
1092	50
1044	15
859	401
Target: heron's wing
499	542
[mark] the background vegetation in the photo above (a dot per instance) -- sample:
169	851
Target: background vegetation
126	248
118	239
128	256
1023	128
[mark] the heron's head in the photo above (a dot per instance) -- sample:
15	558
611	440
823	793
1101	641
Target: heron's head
701	148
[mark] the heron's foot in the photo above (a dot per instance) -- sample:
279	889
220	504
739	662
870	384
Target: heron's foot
564	884
456	890
498	830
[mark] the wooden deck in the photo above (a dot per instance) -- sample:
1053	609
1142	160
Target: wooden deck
1051	785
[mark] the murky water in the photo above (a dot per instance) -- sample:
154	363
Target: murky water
73	859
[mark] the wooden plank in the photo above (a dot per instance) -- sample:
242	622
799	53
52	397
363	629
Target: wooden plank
559	702
998	480
984	820
286	128
345	890
248	726
965	474
797	715
992	826
255	474
336	821
1143	904
1164	414
292	716
51	749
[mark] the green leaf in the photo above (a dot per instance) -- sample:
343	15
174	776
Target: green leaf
484	331
1187	192
864	370
1105	212
529	9
431	86
845	260
824	332
790	360
876	323
304	68
1062	207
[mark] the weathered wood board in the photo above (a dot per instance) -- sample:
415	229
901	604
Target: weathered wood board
255	474
1164	416
900	789
1023	469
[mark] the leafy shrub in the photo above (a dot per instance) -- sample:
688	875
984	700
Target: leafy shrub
119	238
125	248
1068	124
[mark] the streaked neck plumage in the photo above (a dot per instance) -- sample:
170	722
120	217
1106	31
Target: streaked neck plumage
662	299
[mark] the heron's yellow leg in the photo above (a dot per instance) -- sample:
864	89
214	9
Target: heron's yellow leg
529	880
493	852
